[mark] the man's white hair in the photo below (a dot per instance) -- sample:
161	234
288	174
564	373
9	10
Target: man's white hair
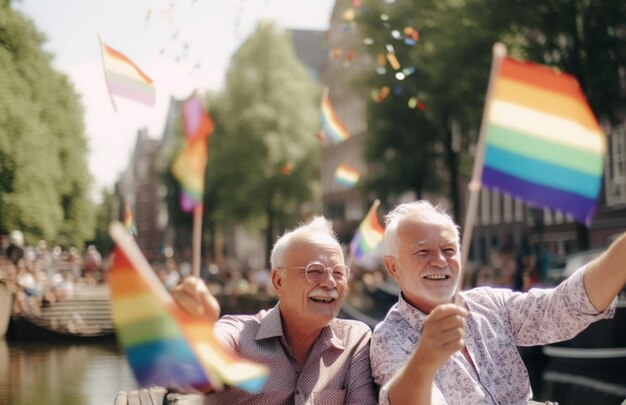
426	213
317	225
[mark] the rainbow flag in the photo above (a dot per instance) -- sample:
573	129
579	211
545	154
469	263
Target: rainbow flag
125	79
129	224
543	143
190	164
332	126
368	235
164	345
347	176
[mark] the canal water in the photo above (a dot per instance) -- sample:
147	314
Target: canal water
92	374
57	374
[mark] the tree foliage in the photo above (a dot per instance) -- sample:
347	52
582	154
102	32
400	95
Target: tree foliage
44	181
268	117
451	62
265	120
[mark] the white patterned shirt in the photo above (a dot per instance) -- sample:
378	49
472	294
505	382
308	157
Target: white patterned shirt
498	321
336	372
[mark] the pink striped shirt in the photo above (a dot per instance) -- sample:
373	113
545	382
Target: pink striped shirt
336	372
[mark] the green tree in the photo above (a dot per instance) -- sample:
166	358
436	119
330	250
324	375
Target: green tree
105	214
268	116
452	61
448	69
43	173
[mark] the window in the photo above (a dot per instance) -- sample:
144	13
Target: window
485	209
519	210
615	170
508	209
495	207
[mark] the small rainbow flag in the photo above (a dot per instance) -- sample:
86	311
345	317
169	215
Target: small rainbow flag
332	126
190	164
125	79
129	224
347	176
543	143
368	235
164	345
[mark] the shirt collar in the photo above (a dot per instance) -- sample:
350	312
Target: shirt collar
412	315
271	326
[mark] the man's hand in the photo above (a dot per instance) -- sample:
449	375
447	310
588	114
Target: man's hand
442	335
194	296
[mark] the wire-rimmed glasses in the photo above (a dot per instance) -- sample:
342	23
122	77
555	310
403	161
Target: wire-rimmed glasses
314	272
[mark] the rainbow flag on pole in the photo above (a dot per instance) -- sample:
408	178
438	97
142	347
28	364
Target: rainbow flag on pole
347	176
129	223
368	235
164	345
543	143
332	126
190	164
125	79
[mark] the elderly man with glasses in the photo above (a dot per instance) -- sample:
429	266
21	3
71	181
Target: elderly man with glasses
313	357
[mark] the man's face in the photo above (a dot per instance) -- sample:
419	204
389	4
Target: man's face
310	304
429	262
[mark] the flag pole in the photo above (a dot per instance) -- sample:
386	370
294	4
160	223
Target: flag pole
197	239
499	53
106	81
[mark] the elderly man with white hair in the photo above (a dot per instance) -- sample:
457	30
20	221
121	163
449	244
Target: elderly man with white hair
443	346
312	357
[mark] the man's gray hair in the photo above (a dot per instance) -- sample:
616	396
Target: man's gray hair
426	211
317	225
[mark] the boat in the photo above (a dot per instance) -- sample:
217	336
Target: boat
6	307
33	328
83	316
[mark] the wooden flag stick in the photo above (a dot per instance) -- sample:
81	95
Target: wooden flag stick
197	239
499	53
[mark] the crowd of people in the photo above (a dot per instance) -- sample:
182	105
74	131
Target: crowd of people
40	276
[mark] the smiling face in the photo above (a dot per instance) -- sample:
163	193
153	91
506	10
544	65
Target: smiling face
428	264
309	305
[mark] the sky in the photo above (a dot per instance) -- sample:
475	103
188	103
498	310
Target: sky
183	45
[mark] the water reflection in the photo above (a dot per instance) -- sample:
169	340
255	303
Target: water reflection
33	373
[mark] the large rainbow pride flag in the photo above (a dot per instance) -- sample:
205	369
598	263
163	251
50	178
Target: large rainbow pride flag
164	345
332	126
543	143
125	79
368	235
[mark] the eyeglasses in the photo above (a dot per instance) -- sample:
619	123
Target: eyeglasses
315	271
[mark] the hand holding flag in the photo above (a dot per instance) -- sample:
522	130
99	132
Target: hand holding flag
165	345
